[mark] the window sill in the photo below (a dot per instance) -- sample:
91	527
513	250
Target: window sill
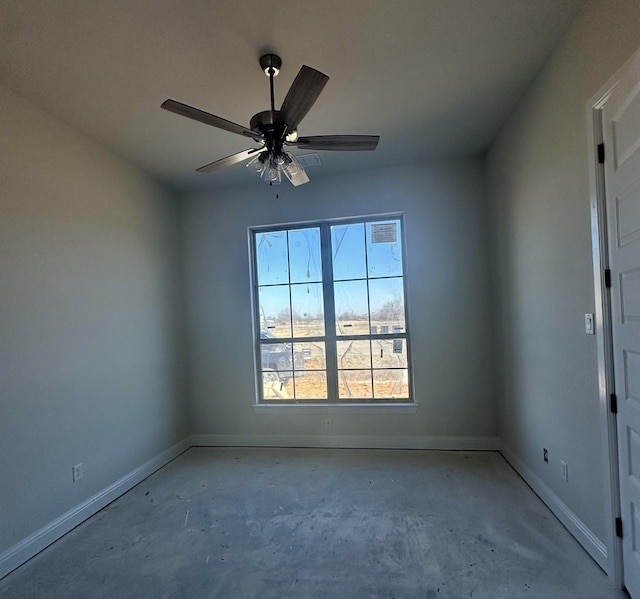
337	408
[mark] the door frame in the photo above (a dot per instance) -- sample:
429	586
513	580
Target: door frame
603	324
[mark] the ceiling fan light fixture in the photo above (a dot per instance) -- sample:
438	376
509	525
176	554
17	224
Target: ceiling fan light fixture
294	171
270	171
257	163
270	167
273	175
292	167
292	136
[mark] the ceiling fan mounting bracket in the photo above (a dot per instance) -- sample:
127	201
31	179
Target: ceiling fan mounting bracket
270	64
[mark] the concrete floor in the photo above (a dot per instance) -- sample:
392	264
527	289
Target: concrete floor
307	523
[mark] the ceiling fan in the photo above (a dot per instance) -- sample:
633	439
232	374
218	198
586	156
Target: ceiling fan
274	130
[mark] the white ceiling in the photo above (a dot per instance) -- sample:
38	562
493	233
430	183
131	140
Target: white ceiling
434	78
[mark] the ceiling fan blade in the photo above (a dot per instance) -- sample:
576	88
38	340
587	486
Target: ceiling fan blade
337	142
209	119
216	165
302	94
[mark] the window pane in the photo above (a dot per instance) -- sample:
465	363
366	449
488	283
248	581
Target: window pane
389	353
310	356
354	354
308	310
391	384
275	313
304	255
384	249
354	384
271	258
347	245
311	384
277	385
276	356
386	297
352	312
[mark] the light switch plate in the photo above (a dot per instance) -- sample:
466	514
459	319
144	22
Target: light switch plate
589	324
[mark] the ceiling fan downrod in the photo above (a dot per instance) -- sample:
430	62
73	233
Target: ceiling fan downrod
270	64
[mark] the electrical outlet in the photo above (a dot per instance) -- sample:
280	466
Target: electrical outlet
545	455
327	423
564	471
77	472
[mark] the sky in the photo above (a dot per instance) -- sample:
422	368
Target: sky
357	249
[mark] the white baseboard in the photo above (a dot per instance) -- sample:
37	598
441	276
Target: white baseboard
36	542
348	442
589	541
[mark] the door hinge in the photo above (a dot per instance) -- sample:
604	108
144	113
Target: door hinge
613	403
600	153
619	527
607	278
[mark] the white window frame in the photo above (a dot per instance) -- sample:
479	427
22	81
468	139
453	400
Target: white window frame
387	405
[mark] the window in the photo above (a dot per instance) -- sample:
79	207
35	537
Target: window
331	321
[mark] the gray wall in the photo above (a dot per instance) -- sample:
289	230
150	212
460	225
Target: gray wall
447	246
539	190
88	364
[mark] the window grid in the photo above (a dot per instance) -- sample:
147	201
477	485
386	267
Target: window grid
332	367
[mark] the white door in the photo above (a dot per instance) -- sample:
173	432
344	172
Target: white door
621	124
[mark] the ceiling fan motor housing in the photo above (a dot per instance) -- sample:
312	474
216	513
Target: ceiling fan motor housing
266	122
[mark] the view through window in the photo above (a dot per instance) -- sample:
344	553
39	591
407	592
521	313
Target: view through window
330	303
